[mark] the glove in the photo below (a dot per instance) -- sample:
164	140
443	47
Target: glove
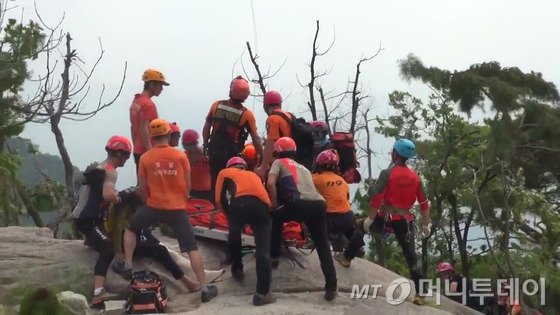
426	230
367	224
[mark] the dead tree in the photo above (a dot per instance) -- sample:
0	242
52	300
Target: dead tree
261	78
60	99
313	75
366	148
356	93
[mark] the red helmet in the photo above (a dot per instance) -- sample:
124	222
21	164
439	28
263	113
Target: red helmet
239	89
236	161
190	136
119	143
285	144
319	124
444	266
272	98
174	127
327	157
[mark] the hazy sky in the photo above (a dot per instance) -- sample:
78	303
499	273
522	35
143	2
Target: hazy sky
197	44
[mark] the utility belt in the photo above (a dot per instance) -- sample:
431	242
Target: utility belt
390	213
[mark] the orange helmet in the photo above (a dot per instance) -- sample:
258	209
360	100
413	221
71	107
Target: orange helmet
284	144
239	89
119	143
154	75
159	127
249	153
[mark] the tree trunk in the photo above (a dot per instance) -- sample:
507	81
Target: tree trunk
461	242
35	216
380	248
66	208
68	167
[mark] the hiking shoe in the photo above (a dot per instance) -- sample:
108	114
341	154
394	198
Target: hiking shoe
209	293
122	268
238	274
274	263
345	262
418	300
260	299
330	294
98	300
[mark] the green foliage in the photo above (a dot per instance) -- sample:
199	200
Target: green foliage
9	165
65	279
40	301
502	174
19	44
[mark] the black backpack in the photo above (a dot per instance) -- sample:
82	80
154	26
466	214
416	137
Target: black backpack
148	294
307	138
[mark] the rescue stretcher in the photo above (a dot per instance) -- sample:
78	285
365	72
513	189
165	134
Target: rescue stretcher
211	223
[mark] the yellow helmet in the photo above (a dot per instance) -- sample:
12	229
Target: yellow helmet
159	127
154	75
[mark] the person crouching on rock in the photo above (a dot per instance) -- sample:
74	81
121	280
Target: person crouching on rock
148	246
97	191
248	204
340	218
395	192
295	198
164	184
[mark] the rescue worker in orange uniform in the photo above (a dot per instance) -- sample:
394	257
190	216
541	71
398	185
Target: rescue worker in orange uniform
248	203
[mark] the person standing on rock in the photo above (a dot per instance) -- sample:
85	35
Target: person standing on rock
394	194
163	184
227	126
200	167
143	110
248	203
295	198
95	195
277	126
174	134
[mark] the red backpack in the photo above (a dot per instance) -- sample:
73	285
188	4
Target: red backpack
345	146
148	294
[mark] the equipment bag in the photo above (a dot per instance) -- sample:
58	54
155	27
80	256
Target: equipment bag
307	138
346	148
148	294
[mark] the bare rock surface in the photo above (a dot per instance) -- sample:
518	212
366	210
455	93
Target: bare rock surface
32	257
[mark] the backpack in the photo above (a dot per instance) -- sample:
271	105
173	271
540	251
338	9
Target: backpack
148	294
345	146
307	138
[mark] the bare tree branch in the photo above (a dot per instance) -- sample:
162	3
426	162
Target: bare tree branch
313	75
355	92
260	79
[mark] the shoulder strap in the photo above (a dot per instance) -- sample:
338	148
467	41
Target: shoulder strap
284	116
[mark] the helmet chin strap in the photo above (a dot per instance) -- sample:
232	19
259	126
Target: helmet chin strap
393	156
